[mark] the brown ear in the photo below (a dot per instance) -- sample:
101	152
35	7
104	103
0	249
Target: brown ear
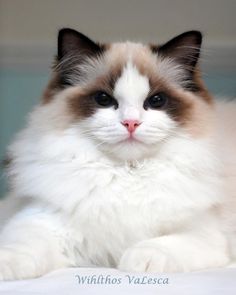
72	42
184	49
73	49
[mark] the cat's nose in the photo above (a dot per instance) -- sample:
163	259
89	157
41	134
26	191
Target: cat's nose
131	125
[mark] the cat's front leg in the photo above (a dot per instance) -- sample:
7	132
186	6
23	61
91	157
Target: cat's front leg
189	251
32	244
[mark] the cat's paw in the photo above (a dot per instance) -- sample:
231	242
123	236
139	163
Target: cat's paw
6	271
149	259
173	254
16	266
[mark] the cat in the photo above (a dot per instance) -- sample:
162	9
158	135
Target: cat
122	164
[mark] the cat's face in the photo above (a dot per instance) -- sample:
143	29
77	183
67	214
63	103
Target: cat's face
129	99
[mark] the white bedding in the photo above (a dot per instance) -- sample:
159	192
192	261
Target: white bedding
65	282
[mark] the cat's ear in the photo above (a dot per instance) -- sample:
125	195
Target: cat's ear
184	49
73	50
72	42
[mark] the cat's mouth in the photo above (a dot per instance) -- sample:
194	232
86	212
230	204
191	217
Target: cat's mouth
131	138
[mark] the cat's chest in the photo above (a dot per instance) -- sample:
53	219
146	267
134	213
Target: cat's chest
124	206
142	196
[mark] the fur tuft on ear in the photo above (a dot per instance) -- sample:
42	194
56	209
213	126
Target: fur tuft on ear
73	49
184	49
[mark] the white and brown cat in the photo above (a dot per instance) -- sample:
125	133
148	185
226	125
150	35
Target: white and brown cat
127	162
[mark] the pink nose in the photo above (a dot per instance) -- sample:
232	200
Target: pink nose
131	125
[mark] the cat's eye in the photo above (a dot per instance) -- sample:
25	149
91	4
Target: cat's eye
105	100
157	101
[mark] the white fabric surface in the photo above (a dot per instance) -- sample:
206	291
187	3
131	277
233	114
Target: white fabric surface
65	282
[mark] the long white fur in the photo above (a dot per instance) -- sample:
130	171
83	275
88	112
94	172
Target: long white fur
97	199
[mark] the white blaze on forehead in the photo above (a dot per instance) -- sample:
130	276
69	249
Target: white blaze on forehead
131	88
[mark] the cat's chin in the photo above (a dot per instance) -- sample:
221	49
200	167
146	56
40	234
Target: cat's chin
130	150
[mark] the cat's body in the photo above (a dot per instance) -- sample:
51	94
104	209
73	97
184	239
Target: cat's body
157	200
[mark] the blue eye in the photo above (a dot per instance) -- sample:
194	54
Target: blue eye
157	101
105	100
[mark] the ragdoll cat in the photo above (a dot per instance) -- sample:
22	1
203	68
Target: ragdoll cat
121	164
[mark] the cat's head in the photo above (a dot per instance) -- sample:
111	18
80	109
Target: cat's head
127	98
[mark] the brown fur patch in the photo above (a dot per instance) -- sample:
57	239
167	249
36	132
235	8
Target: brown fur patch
203	92
179	107
82	104
52	88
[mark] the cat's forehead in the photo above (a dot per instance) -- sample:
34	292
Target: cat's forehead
128	62
126	51
141	58
132	86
